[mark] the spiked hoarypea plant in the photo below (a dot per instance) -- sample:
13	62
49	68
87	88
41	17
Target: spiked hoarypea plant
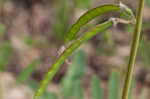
126	16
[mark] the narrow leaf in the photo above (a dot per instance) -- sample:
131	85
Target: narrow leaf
96	89
78	90
75	73
55	67
114	86
87	17
73	31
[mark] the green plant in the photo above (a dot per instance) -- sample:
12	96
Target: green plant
91	14
78	90
113	86
46	95
96	90
71	85
136	38
87	17
73	76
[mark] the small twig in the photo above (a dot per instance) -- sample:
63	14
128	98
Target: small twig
119	20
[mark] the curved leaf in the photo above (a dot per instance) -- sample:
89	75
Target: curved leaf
71	35
55	67
87	17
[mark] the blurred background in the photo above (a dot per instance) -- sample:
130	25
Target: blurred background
32	32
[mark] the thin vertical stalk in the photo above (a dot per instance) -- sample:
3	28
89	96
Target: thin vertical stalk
134	48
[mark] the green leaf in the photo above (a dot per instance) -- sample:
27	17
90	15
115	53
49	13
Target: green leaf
5	52
67	85
87	17
96	89
72	47
26	73
55	67
78	66
126	12
114	86
75	72
78	90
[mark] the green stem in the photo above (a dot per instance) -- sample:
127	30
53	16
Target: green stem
134	48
